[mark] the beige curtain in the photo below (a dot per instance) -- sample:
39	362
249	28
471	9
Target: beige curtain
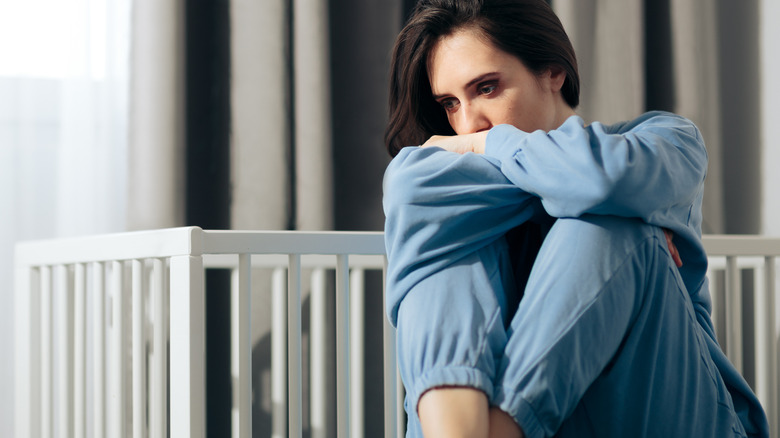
156	125
308	107
770	110
609	39
313	127
260	114
696	78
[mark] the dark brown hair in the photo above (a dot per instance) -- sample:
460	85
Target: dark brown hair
527	29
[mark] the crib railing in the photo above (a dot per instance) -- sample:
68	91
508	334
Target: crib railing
166	267
742	267
139	297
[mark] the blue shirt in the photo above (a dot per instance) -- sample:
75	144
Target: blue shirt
652	168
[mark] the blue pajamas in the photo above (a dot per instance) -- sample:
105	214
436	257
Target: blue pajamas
607	340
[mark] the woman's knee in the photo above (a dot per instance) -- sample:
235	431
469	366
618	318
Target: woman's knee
596	235
590	249
601	227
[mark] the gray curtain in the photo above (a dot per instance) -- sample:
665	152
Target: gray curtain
697	58
260	115
308	111
308	94
608	40
156	125
696	83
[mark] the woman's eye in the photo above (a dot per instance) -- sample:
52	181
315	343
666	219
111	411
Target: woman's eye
486	89
449	105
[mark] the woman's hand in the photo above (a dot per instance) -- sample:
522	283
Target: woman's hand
460	143
672	249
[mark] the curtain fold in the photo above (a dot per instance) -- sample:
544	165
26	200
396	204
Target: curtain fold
156	159
362	34
770	120
312	112
697	81
608	38
260	115
740	123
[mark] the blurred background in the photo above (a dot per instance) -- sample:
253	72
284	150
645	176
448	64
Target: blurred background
121	115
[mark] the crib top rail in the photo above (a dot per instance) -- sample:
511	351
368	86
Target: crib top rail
293	242
193	241
720	245
196	241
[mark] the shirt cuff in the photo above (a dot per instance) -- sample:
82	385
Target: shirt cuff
503	141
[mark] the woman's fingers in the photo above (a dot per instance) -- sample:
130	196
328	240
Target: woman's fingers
672	248
459	143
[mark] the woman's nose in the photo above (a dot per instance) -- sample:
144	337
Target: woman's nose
472	119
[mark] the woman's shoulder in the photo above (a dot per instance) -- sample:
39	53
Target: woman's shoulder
655	120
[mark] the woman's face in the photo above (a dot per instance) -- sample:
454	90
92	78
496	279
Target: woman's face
480	86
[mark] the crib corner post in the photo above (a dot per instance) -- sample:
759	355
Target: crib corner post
187	348
27	359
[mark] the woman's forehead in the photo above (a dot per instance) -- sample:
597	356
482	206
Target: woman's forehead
460	56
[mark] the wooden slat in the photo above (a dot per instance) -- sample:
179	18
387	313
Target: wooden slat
295	370
241	348
80	351
158	388
318	354
47	401
734	313
279	353
98	350
357	373
139	349
64	307
118	363
342	347
188	335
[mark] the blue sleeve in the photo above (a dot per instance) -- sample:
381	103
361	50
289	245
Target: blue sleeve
652	168
441	206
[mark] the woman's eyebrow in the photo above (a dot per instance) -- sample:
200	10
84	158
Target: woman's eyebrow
476	80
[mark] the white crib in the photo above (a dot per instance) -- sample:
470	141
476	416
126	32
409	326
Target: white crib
156	278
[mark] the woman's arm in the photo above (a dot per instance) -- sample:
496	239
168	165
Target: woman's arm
652	168
440	207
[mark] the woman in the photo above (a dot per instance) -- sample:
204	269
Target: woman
534	290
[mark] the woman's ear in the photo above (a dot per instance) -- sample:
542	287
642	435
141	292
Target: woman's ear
557	78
